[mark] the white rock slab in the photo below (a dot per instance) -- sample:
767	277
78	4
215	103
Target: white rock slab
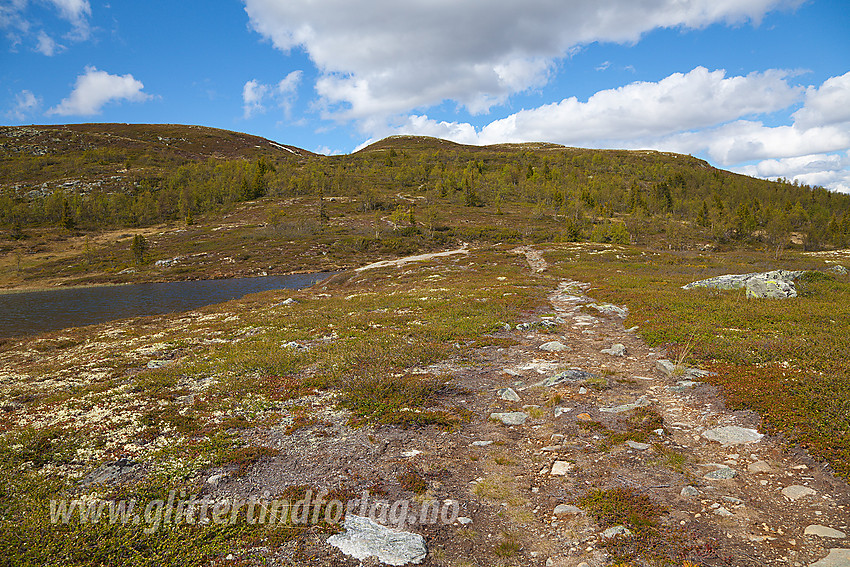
824	531
836	558
364	538
732	435
561	468
554	346
796	491
510	418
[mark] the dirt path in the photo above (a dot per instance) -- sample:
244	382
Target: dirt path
398	262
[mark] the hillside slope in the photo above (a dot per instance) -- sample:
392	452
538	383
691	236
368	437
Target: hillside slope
72	198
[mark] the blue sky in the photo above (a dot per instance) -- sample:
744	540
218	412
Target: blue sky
756	86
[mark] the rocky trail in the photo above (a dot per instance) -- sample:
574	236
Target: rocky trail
554	416
580	446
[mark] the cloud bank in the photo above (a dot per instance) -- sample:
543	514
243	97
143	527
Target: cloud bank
94	89
701	112
384	57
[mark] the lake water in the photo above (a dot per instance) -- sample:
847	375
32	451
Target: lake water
32	312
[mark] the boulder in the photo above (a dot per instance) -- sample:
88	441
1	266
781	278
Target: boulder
510	418
797	491
616	350
554	346
615	531
109	471
567	509
761	288
567	376
364	538
739	281
509	395
723	473
732	435
639	403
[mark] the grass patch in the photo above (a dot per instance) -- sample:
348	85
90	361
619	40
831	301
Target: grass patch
413	481
784	359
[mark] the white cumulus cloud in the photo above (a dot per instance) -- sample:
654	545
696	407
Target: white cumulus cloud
255	95
679	102
701	112
384	57
20	26
95	88
26	103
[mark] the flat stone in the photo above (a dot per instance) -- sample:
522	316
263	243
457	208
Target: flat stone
616	350
759	467
796	491
837	269
615	531
824	531
567	509
584	417
561	468
836	558
510	418
364	538
567	376
723	473
639	403
109	472
287	301
464	521
481	443
638	446
689	491
509	395
732	435
158	363
554	346
721	511
610	309
411	453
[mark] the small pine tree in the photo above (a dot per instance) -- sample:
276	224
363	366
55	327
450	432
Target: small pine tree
139	248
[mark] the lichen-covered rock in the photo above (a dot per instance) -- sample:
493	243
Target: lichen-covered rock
760	288
738	281
510	418
364	538
732	435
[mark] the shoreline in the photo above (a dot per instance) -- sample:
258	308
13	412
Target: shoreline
60	286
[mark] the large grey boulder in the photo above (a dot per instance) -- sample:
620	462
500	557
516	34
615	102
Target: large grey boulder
762	288
364	538
739	281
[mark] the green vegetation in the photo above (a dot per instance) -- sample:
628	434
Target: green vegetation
425	185
785	360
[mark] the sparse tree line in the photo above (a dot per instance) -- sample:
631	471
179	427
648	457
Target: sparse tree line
609	196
